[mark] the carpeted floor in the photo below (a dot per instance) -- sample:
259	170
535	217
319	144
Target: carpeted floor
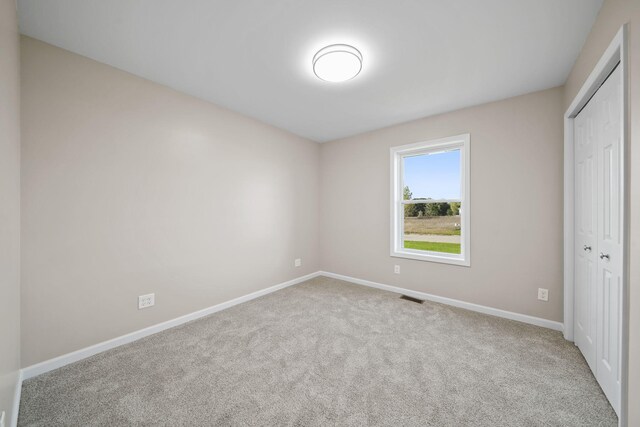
326	352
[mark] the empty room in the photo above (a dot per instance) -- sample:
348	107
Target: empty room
319	213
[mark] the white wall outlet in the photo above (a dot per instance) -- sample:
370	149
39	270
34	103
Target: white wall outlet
145	301
297	262
543	294
396	269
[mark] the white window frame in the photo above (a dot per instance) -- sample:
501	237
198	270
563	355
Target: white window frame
398	250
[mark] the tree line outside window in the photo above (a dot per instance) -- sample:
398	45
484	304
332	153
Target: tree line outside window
428	209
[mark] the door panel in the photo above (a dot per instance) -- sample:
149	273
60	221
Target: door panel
610	262
586	238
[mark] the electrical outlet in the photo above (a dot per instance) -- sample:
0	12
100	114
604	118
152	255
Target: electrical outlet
396	269
543	294
297	262
145	301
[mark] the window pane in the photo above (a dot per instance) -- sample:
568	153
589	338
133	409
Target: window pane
432	176
437	231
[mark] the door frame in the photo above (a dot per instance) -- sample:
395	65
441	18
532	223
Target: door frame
615	54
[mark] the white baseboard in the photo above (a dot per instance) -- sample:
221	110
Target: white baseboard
65	359
60	361
557	326
16	401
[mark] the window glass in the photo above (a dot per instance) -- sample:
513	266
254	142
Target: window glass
437	230
432	226
433	176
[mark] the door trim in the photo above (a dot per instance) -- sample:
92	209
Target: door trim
615	54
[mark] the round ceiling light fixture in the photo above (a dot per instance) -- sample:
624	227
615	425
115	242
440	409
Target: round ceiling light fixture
337	63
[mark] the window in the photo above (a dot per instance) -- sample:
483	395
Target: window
430	201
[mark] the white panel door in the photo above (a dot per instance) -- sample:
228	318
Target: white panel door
598	234
610	253
585	234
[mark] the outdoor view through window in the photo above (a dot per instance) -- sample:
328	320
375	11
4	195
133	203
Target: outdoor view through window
432	201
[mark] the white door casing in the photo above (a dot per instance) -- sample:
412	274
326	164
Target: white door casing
615	55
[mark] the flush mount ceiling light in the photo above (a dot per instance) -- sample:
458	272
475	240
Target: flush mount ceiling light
337	63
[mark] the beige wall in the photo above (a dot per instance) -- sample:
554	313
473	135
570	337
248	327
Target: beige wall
9	205
516	205
612	16
129	187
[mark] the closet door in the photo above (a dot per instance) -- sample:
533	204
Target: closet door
610	253
598	234
586	234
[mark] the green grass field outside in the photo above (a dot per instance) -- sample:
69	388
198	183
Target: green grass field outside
435	225
450	248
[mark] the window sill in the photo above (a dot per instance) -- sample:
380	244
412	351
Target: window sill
433	257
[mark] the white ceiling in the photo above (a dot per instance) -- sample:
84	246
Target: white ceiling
421	57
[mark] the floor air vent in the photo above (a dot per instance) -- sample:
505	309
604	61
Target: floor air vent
412	299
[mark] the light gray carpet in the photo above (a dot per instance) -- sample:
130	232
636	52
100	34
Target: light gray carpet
327	352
